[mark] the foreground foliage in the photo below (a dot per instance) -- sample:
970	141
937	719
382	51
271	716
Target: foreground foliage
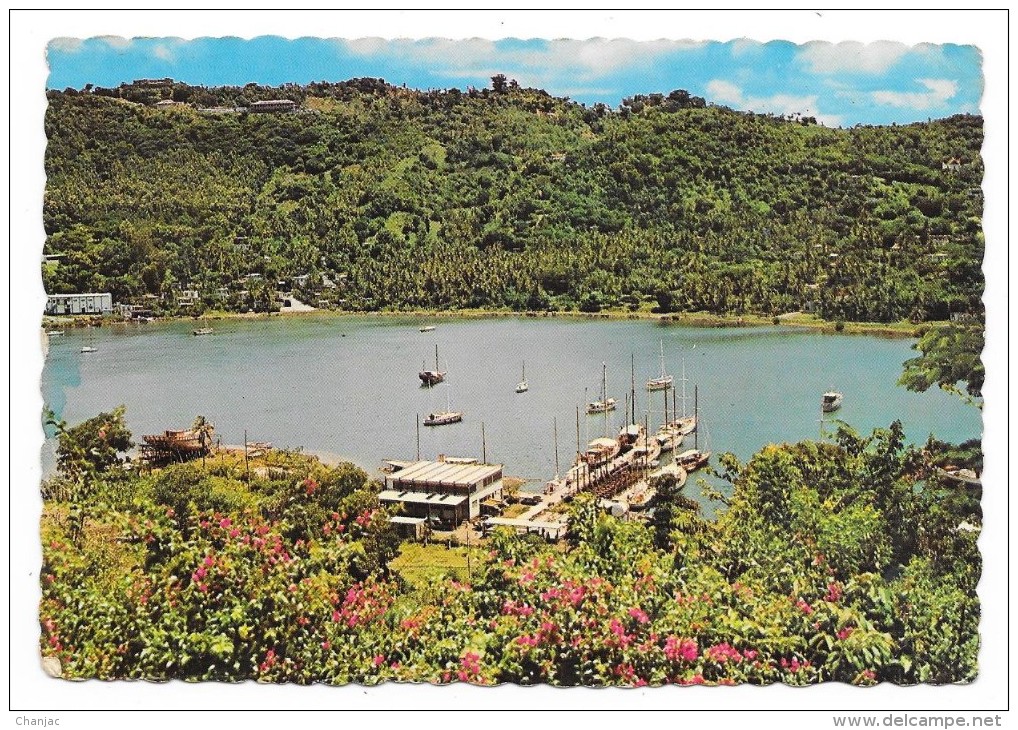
840	561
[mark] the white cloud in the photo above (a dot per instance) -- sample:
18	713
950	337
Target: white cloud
116	42
65	45
823	57
574	60
724	91
781	104
593	59
163	53
745	47
365	46
939	92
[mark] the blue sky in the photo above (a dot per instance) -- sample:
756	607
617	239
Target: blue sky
841	84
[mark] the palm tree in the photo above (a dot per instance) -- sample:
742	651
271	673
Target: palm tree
203	430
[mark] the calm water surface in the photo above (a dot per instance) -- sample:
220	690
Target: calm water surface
348	386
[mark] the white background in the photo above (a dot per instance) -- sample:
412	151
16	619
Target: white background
35	695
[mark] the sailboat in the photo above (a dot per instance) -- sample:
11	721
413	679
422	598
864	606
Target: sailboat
442	418
694	458
664	380
522	387
89	347
203	330
684	424
605	404
431	377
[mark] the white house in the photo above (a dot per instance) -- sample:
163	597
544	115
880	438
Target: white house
92	303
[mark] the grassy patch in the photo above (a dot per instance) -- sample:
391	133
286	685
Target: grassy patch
423	565
515	510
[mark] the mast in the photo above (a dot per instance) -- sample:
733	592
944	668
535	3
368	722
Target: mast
436	359
632	387
418	437
696	416
579	453
683	387
604	395
665	391
555	426
675	410
646	445
484	446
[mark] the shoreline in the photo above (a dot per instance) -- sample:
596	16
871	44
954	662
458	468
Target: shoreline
703	320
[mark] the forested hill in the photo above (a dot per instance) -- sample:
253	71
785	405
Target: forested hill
370	196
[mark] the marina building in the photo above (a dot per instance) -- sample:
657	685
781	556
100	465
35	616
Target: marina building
273	105
93	303
449	491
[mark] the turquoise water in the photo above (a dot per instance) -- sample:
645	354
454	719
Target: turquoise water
348	386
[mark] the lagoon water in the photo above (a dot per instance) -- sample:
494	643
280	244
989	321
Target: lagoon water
348	386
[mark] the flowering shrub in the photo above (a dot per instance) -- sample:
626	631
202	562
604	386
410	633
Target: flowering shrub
282	588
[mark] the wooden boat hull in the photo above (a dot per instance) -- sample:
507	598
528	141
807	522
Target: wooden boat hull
601	406
831	402
692	460
430	377
442	419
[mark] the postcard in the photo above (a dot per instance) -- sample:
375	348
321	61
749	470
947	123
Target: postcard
574	362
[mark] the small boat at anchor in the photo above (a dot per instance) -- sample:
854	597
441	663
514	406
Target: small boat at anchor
664	380
432	377
831	401
90	347
606	404
443	418
601	406
428	328
522	386
202	331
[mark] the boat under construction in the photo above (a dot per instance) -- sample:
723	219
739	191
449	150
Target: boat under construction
174	445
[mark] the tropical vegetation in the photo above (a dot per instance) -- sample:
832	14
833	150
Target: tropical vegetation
372	196
849	560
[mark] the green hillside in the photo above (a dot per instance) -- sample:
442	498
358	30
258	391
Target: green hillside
372	197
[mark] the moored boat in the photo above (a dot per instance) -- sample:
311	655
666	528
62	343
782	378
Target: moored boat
202	331
428	328
601	406
442	418
600	451
692	459
432	377
831	401
684	425
523	386
605	404
669	437
664	380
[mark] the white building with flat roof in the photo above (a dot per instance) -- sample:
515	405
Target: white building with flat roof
443	490
273	105
92	303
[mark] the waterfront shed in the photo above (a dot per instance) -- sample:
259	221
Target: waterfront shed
451	492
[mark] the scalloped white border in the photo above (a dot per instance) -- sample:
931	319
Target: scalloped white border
31	30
